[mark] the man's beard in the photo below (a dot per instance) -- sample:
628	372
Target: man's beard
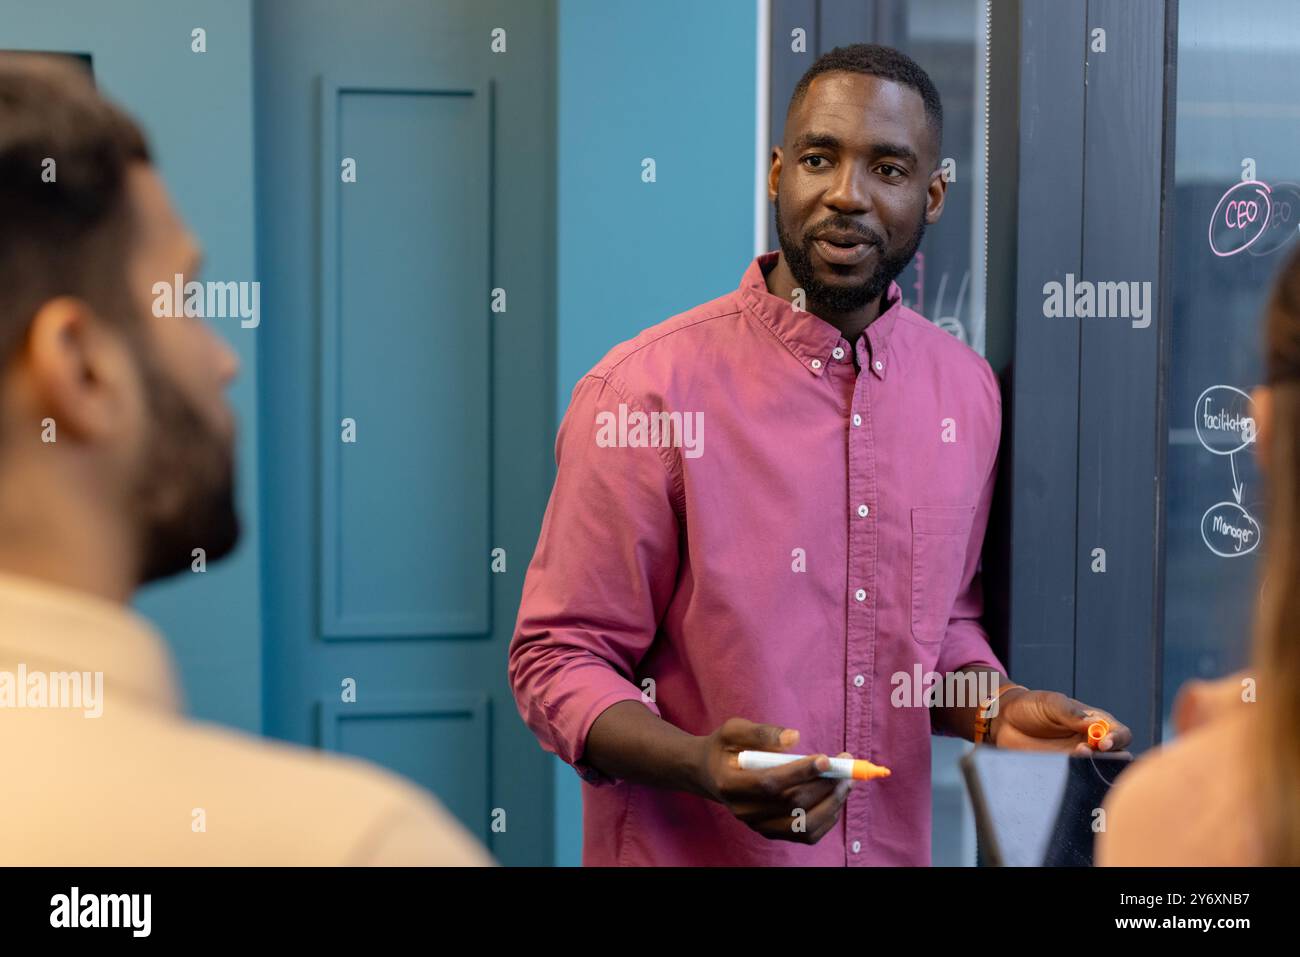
838	297
186	488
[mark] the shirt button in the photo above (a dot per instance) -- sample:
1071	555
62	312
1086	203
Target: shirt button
857	846
879	365
857	419
816	363
838	353
860	594
859	681
863	511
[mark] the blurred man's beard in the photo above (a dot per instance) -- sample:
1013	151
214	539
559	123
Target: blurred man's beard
839	297
186	491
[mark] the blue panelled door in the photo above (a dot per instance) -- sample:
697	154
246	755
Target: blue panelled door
405	425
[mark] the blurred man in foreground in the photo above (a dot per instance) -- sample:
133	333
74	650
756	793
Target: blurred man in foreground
116	463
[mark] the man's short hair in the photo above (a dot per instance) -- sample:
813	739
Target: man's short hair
64	217
875	60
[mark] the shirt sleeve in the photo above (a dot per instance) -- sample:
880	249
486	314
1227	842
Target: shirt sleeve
966	643
601	577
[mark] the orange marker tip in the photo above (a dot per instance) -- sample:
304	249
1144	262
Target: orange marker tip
1096	731
866	771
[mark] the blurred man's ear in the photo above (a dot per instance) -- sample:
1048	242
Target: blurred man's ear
77	372
1261	397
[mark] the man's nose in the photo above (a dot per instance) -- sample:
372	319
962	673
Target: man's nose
849	194
227	361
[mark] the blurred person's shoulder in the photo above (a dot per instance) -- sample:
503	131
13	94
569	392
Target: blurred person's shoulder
142	787
302	805
1189	803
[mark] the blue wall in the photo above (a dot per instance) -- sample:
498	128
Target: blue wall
197	111
674	81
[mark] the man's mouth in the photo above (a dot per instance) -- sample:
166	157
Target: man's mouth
842	249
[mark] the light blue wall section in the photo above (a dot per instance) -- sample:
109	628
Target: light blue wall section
197	110
672	81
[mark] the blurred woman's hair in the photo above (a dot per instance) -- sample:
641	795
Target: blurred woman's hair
1277	627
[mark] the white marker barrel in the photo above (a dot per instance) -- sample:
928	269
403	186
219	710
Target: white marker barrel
840	767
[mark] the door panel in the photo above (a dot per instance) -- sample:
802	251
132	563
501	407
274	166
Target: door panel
404	254
423	737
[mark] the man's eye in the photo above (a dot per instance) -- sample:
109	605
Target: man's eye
896	171
821	160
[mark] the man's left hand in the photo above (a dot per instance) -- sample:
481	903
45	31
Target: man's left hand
1050	721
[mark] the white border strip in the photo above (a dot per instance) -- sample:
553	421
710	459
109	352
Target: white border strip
762	129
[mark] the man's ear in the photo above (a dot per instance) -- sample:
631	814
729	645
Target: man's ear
774	172
75	369
935	194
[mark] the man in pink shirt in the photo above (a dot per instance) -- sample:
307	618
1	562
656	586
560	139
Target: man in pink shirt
768	516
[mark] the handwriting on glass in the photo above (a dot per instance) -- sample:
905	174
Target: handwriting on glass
1225	425
1240	218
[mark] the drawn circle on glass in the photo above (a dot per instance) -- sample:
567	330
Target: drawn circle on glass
1229	525
1240	218
1227	410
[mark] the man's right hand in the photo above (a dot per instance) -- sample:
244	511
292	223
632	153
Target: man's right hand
787	803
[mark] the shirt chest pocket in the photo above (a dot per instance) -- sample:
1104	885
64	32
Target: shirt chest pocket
940	534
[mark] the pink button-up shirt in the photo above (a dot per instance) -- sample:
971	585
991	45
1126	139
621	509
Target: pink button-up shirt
808	533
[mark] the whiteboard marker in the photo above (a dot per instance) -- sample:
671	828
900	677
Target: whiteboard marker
840	767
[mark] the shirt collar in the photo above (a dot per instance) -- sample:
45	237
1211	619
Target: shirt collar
811	339
51	627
